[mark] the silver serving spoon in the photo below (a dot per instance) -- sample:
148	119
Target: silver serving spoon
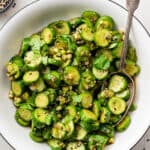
132	5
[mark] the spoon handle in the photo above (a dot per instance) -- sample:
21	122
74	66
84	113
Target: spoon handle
126	41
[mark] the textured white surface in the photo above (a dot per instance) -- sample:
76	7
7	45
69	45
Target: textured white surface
141	14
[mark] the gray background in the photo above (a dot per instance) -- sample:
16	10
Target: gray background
142	13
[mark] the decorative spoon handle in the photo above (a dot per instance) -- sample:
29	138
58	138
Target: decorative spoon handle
132	5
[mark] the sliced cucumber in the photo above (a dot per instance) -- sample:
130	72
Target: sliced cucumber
90	126
13	71
87	34
71	111
106	93
88	81
71	75
101	62
55	144
52	78
124	94
102	37
74	22
17	87
108	130
61	27
18	61
25	46
21	121
88	115
24	114
81	133
132	68
96	107
35	42
90	15
17	101
46	133
133	107
31	76
97	142
116	105
131	55
48	35
117	51
124	124
25	96
58	130
117	83
41	116
69	126
33	59
105	22
86	99
38	86
99	74
41	100
75	146
51	94
105	115
35	138
52	61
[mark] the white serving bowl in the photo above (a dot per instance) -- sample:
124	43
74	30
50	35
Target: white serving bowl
33	18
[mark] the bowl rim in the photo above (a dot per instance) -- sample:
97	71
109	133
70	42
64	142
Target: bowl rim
112	2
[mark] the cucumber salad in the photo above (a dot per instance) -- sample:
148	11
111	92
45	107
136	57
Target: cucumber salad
56	81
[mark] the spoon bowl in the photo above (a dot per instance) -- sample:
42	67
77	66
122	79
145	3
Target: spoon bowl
132	89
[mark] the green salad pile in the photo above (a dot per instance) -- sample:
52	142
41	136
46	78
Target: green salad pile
56	83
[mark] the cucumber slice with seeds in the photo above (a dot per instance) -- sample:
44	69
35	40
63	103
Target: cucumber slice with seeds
41	100
106	93
25	114
90	15
58	131
31	76
117	83
33	59
38	86
48	35
116	105
75	146
105	22
99	74
71	75
42	116
102	37
87	34
17	87
86	99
